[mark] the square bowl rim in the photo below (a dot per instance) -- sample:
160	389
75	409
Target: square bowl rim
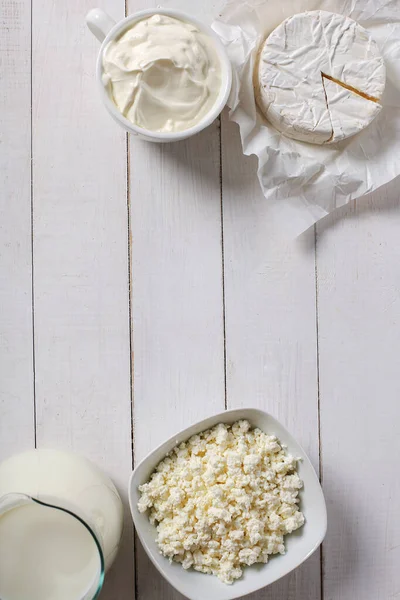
251	414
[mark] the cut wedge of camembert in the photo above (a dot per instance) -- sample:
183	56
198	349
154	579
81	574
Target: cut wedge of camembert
320	77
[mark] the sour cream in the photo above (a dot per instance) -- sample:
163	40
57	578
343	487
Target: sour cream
163	74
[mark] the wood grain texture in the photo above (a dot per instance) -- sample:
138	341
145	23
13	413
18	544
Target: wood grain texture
186	260
176	286
177	303
16	338
177	297
358	258
270	313
81	276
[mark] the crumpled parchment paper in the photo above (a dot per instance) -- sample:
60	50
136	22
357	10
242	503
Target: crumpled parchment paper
304	182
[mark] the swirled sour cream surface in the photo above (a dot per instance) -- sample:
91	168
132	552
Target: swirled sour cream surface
163	74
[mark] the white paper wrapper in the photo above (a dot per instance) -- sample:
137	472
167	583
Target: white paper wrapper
304	182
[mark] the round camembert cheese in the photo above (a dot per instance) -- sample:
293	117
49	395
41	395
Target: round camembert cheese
321	77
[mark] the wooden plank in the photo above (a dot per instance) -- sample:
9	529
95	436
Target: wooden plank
177	297
176	286
270	324
16	338
358	257
177	315
81	271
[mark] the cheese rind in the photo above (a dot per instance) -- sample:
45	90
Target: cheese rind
349	112
291	87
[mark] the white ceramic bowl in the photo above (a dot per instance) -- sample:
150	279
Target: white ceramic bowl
299	545
105	29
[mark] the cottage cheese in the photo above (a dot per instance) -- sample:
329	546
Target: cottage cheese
224	499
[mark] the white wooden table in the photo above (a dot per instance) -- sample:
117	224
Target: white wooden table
142	288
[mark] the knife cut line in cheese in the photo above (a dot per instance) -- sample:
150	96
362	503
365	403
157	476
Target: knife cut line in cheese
327	107
320	77
350	88
347	87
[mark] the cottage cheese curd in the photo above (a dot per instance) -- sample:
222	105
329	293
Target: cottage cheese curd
163	74
224	499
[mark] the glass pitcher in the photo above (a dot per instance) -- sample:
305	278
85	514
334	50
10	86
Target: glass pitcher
60	526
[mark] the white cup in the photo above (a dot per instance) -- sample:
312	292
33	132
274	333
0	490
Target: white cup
105	29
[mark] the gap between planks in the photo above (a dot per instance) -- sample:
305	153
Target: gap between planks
321	550
222	261
129	249
32	232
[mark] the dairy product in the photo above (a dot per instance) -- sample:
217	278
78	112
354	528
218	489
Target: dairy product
70	481
45	554
224	499
356	114
321	77
163	74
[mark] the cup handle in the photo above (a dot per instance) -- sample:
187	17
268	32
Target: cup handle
99	23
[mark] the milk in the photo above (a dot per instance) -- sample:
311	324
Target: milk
45	554
68	481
